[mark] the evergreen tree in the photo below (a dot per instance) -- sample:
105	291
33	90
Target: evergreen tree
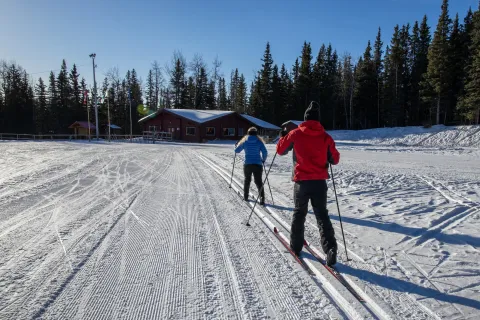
190	89
457	68
365	93
303	84
222	95
157	84
347	81
76	96
438	77
286	86
177	83
63	106
53	102
241	95
232	99
296	71
150	92
136	98
265	85
469	104
201	90
41	112
211	101
378	60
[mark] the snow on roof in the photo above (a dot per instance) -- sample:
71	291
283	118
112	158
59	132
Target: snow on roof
260	123
295	122
114	126
199	116
151	115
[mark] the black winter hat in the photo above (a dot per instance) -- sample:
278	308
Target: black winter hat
312	112
252	131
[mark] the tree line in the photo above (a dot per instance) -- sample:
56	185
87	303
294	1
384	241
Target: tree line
419	78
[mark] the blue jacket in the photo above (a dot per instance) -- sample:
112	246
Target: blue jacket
253	146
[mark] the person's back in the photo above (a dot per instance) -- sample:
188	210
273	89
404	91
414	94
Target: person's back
252	147
313	150
253	163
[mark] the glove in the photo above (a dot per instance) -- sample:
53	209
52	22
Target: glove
283	133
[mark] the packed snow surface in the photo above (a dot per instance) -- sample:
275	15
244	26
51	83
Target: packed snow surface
150	231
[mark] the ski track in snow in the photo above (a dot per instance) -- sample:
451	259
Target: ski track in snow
412	226
137	232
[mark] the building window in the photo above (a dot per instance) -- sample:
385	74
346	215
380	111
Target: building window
191	131
210	131
240	132
152	128
229	132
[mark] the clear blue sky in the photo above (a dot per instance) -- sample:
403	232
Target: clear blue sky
38	34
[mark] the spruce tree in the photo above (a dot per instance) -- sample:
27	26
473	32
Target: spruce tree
265	85
177	83
76	95
64	107
241	95
366	88
469	105
378	60
150	92
41	112
303	84
438	71
222	95
190	89
52	104
419	70
457	67
286	87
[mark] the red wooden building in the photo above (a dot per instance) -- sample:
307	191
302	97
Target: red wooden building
203	125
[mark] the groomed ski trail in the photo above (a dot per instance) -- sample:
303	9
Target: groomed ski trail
398	304
150	233
327	281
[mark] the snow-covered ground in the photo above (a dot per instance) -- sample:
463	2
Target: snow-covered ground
137	231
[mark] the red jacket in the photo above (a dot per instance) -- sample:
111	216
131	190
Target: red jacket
313	149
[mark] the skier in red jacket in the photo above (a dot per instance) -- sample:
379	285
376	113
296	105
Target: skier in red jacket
313	150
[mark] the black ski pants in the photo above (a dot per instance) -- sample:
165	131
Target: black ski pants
256	170
316	192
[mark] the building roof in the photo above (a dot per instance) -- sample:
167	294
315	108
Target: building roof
260	123
151	115
295	122
114	126
81	124
202	116
199	116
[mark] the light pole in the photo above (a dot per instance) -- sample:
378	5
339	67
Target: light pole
85	102
93	55
108	111
130	99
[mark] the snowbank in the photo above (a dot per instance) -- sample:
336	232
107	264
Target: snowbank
436	136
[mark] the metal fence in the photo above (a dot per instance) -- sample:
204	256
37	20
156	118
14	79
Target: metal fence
145	138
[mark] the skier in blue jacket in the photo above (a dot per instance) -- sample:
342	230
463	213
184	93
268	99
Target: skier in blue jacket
253	164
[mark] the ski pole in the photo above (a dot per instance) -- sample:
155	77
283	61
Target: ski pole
261	189
268	182
231	178
339	215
